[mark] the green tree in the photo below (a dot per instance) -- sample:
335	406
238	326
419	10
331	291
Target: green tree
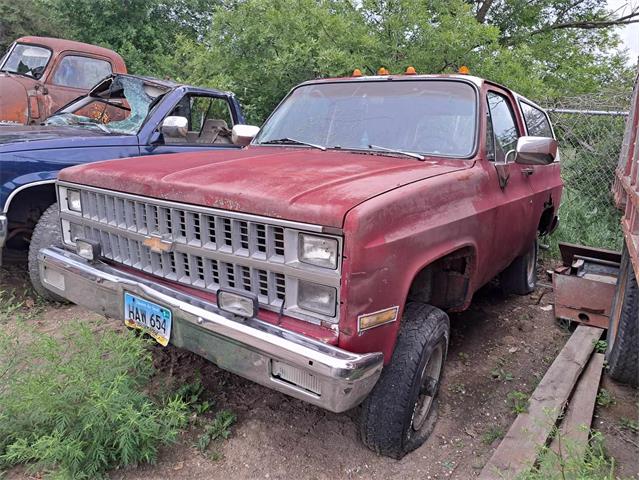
26	17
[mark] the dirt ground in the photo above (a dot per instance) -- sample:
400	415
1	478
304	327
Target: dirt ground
501	344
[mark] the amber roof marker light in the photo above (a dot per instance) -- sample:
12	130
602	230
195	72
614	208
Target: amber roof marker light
383	71
464	70
356	72
410	71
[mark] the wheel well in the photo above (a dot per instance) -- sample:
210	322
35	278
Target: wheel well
444	283
25	209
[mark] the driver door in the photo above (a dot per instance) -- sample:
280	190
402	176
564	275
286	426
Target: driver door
514	225
209	125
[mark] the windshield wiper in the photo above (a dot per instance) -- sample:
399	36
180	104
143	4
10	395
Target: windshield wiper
292	141
400	152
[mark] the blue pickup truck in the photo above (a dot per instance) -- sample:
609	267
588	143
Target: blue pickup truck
123	116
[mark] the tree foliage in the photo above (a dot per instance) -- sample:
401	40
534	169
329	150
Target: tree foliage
261	48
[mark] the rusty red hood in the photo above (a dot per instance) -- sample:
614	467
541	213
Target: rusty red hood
297	184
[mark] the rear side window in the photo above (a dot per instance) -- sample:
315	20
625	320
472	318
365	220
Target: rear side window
80	72
536	121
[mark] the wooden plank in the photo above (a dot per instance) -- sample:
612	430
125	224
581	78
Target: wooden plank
518	450
576	424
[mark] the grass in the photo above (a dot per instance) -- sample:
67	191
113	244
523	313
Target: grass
492	434
594	224
570	464
518	401
75	407
605	398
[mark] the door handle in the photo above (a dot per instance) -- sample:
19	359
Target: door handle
528	171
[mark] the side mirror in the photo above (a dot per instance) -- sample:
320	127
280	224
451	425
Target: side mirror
174	127
536	150
243	134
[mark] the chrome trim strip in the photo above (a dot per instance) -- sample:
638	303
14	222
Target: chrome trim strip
5	209
246	347
4	230
200	209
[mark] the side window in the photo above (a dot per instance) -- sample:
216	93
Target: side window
80	72
502	124
536	121
209	120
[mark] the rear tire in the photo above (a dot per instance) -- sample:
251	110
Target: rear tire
622	336
401	411
46	234
520	277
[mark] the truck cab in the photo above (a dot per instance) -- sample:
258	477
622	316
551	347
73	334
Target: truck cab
38	75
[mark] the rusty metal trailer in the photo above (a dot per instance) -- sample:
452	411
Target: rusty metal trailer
622	337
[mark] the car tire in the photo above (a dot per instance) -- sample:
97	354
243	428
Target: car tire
401	411
520	277
622	336
46	234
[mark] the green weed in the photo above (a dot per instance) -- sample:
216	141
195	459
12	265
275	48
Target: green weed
492	434
605	398
600	346
518	401
220	427
74	407
629	424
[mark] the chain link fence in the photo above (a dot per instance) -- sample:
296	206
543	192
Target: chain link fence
590	131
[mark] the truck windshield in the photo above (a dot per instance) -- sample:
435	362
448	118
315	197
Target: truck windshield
119	107
429	117
28	60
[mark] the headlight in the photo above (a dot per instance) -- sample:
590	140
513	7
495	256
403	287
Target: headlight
73	200
317	298
319	251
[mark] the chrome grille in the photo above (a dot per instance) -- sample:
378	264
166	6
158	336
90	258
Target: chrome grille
121	224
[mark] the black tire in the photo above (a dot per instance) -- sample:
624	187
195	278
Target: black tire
520	277
388	418
622	336
46	234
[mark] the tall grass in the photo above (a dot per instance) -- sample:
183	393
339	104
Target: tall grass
73	404
586	222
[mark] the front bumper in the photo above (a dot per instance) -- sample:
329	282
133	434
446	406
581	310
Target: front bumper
304	368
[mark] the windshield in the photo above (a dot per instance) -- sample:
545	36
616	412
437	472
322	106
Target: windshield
28	60
121	106
420	116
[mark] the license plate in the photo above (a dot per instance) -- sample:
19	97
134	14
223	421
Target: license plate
148	317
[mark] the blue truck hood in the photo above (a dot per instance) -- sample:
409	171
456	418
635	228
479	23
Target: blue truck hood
21	138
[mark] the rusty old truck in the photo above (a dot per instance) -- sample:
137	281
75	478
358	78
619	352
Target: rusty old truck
39	75
321	260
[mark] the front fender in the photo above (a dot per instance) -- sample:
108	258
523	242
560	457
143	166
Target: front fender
14	103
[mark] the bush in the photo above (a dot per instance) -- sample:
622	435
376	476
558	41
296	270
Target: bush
74	406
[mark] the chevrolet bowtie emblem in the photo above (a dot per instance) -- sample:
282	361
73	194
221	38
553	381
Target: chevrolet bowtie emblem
157	244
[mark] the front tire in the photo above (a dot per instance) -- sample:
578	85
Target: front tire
401	411
622	336
46	234
520	277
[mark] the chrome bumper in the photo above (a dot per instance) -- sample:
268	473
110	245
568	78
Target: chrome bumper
315	372
4	228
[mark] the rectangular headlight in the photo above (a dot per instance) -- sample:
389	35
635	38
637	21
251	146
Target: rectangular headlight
317	298
242	304
73	200
319	251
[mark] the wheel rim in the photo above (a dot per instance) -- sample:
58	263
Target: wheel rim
429	381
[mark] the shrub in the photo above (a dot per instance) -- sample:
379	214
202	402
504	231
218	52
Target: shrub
74	406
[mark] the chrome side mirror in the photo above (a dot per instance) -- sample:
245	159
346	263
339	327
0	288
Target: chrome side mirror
243	134
175	127
536	150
